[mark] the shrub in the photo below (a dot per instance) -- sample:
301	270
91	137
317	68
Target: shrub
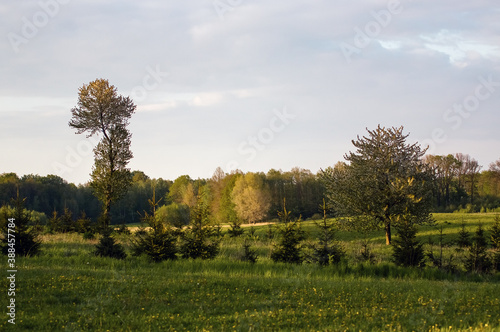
174	214
495	233
463	237
107	247
249	254
198	243
327	250
123	229
477	259
160	243
366	254
158	246
288	249
407	251
199	239
63	223
496	260
25	235
235	229
88	235
84	224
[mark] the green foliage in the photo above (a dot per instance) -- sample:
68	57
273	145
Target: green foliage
199	243
407	250
496	260
160	243
199	239
327	250
288	249
107	246
102	111
158	246
88	235
26	242
385	179
82	292
495	233
479	237
78	292
175	214
249	254
226	210
235	229
463	237
366	254
477	259
251	197
439	261
123	229
63	223
84	224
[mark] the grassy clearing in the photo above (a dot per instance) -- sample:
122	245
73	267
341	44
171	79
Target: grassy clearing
68	289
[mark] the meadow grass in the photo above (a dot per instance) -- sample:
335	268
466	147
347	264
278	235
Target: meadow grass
67	288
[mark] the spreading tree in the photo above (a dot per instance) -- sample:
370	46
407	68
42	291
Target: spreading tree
102	111
382	181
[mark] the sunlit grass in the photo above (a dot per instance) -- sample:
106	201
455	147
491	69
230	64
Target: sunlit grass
68	288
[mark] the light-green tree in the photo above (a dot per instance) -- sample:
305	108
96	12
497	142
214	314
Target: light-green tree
251	198
102	111
384	181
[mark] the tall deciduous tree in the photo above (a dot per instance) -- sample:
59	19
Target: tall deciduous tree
384	182
102	111
251	198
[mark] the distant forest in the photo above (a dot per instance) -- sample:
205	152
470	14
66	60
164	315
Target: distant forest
459	186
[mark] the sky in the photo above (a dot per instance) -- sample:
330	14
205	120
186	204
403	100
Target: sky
250	85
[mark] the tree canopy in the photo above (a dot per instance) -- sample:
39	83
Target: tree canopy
383	181
102	111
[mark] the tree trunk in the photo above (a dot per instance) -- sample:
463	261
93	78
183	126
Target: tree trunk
106	213
388	233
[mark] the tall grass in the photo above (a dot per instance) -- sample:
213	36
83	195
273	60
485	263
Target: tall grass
67	288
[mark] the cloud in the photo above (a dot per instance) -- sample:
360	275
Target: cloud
207	99
227	76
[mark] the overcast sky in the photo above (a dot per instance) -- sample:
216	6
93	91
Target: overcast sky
247	84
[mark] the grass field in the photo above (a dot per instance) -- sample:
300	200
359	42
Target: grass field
66	288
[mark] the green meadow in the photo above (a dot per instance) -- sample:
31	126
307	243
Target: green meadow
67	288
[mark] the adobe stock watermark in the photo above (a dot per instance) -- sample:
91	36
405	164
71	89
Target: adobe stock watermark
11	269
372	29
224	6
75	155
151	81
30	27
250	147
455	115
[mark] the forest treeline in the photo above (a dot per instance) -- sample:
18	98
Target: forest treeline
459	184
